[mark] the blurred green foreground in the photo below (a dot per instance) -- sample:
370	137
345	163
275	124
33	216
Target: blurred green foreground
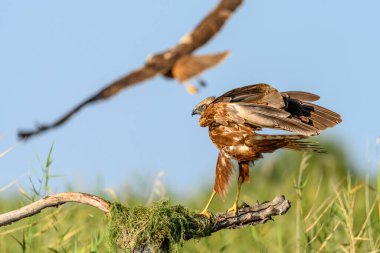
333	209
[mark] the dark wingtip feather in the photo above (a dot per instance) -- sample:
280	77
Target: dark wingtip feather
309	113
301	95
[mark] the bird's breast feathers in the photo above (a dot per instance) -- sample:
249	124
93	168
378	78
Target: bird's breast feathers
231	139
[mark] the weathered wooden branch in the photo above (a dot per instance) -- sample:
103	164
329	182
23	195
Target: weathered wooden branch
159	63
53	201
247	215
252	215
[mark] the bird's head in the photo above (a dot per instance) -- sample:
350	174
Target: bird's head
202	106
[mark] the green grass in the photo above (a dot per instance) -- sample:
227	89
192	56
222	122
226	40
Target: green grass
333	210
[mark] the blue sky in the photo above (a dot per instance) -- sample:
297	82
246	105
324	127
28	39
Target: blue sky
56	53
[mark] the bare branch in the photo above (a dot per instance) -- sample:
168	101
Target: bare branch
53	201
159	63
252	215
247	215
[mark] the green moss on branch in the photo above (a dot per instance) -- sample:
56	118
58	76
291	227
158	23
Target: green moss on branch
159	227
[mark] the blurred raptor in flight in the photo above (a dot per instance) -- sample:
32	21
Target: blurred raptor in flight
234	118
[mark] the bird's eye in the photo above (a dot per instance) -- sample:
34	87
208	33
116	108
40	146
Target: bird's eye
204	107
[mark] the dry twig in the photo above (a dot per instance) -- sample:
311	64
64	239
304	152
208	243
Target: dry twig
53	201
252	215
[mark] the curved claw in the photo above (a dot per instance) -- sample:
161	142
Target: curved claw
205	213
234	208
191	89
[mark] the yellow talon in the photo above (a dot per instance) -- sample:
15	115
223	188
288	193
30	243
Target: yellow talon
205	211
191	88
234	208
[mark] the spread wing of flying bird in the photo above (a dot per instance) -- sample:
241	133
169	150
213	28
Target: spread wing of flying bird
191	66
235	117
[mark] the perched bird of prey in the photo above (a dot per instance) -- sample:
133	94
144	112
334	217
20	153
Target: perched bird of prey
234	118
191	66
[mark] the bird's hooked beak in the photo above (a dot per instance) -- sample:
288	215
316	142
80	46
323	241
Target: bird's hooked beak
195	111
202	106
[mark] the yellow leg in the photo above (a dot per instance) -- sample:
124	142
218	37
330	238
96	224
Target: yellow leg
205	211
190	88
235	206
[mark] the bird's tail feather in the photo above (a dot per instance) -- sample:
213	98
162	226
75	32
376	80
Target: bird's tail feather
269	143
224	170
307	146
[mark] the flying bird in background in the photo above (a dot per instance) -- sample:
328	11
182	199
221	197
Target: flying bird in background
234	118
191	66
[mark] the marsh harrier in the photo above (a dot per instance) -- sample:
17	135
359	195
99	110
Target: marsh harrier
234	118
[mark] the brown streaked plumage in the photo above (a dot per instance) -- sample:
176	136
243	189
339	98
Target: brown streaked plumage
191	66
234	118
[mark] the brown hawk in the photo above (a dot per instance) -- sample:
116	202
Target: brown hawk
234	118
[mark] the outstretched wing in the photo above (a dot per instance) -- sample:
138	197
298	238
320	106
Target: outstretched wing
265	116
262	106
257	116
260	94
